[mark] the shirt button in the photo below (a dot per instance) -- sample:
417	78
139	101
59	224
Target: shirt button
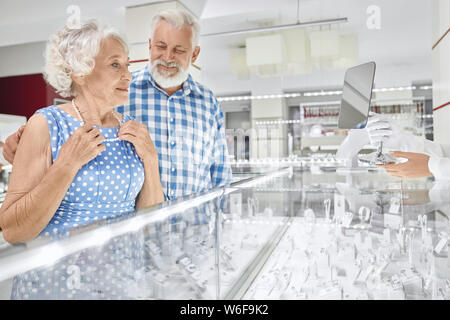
172	119
173	169
172	192
173	142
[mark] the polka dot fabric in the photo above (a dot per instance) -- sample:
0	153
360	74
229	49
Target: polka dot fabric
104	188
112	271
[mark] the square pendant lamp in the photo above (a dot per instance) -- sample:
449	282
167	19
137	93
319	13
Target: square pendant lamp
266	55
324	45
298	51
348	56
293	52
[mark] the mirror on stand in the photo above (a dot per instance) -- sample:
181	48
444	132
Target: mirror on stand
355	106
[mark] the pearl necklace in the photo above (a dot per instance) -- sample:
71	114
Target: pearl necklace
82	122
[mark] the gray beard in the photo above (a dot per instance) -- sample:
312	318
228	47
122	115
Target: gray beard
164	80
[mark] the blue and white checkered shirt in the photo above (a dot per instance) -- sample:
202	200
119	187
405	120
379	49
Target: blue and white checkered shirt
188	131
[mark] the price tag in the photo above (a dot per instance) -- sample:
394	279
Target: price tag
441	244
347	219
339	206
395	205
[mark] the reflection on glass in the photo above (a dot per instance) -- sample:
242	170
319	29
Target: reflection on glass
356	95
290	234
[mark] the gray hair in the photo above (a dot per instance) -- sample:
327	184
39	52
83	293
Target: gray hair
177	18
72	51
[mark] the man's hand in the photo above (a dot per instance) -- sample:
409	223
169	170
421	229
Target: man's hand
415	167
11	143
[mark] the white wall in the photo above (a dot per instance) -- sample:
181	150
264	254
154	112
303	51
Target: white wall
24	21
441	70
22	59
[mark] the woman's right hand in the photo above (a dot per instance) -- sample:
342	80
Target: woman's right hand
83	146
11	143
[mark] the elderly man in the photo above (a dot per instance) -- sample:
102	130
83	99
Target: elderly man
184	119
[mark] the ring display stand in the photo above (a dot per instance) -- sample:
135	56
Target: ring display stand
378	157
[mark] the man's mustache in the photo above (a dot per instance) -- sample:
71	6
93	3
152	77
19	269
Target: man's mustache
167	64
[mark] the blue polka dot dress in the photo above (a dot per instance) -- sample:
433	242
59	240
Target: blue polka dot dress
104	188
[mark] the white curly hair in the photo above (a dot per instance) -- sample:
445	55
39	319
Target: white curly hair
177	18
71	51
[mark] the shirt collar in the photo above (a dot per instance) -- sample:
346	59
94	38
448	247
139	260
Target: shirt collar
191	85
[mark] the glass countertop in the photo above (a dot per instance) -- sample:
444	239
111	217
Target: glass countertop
287	233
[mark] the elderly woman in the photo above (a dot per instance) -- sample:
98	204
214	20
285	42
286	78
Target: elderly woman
81	161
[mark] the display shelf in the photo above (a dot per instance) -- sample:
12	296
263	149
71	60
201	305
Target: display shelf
294	233
315	126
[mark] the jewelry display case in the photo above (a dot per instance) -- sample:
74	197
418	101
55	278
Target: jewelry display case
5	172
301	232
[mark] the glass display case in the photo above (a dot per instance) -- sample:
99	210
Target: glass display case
5	173
300	232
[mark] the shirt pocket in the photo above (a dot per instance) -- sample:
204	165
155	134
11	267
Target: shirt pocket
193	144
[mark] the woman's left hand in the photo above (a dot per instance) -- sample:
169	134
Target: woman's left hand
415	167
137	133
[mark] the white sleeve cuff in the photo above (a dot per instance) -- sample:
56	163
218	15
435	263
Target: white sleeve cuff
439	192
439	167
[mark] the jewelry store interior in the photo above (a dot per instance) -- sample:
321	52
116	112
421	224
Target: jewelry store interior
310	212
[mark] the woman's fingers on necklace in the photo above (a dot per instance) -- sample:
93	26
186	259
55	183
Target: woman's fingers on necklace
134	129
